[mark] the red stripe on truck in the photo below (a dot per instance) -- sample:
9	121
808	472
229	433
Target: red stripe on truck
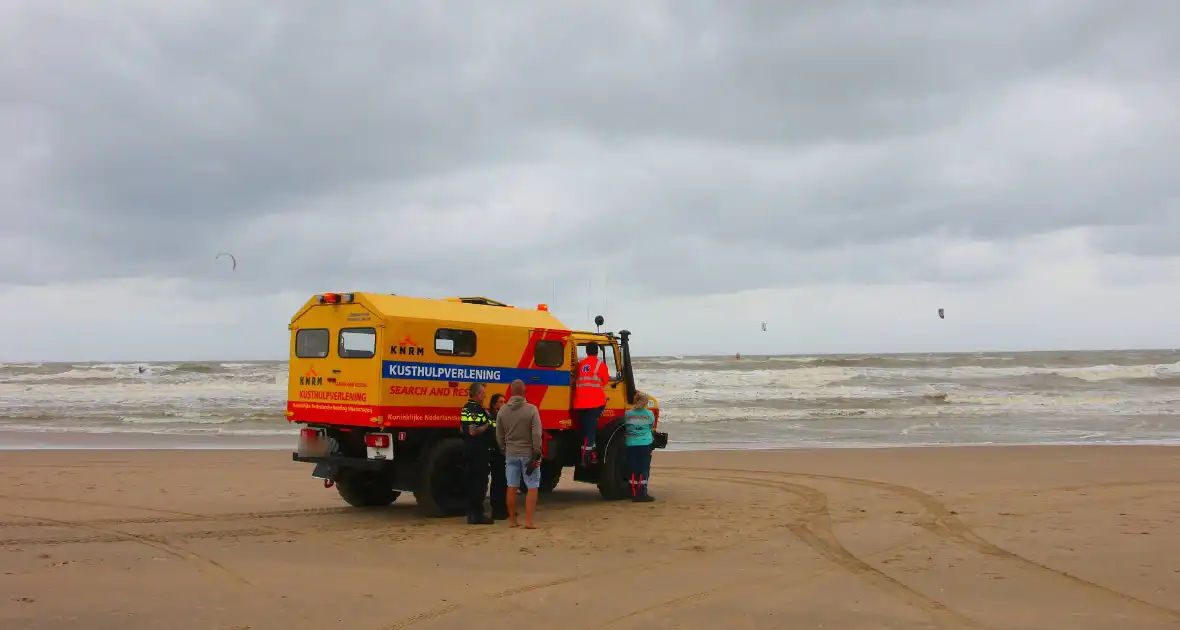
408	417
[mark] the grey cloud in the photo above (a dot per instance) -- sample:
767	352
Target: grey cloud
758	144
1160	239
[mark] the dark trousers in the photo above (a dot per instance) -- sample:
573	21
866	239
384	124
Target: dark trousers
477	477
639	468
589	420
499	497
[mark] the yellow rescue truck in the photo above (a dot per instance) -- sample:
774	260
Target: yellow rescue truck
378	380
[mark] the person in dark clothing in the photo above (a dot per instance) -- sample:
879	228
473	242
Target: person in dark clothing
478	432
499	479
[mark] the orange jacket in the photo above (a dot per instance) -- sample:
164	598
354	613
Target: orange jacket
590	383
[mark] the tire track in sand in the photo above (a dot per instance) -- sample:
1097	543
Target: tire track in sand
829	547
447	609
121	537
175	516
154	543
814	528
944	523
442	611
178	517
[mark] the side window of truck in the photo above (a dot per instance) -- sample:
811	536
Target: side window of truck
549	353
357	343
453	342
312	343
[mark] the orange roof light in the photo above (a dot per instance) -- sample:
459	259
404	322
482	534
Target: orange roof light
543	307
331	298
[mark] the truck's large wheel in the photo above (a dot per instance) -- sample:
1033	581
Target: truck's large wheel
614	483
441	488
550	476
366	489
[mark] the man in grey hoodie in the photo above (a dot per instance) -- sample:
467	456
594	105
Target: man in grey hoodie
518	431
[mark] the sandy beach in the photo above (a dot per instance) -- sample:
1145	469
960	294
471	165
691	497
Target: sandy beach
1000	537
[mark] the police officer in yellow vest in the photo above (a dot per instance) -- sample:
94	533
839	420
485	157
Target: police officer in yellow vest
479	433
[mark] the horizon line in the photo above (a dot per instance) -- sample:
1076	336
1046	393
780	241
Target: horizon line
647	356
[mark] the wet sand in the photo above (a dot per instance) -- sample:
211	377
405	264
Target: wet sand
1001	537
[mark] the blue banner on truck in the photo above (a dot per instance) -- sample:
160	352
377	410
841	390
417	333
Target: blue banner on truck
472	373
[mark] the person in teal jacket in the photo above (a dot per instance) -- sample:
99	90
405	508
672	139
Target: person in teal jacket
639	425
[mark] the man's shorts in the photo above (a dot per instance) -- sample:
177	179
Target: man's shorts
514	470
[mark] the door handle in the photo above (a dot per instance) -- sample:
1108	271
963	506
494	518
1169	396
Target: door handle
535	378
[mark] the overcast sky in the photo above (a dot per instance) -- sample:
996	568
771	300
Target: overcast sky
840	169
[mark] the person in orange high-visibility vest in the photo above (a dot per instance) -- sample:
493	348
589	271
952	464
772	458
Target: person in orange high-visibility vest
590	399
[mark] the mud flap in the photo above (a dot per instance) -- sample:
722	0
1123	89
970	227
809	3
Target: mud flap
325	470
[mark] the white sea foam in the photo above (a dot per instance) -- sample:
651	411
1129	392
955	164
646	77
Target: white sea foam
874	399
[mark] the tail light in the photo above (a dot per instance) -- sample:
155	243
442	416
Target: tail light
308	434
377	440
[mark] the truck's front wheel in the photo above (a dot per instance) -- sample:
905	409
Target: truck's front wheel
614	483
441	488
366	489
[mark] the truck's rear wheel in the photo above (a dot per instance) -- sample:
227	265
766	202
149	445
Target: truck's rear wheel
550	476
366	489
614	483
441	488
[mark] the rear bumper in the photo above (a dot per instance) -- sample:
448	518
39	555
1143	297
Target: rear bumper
327	466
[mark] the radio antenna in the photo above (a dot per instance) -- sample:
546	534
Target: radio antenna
605	295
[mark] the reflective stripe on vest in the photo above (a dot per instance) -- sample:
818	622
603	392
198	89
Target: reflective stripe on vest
470	416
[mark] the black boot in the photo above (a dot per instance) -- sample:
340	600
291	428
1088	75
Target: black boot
479	519
641	495
589	454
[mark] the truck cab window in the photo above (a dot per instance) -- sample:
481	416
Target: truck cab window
312	343
358	343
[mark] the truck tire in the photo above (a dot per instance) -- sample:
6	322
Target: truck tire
614	485
441	490
550	476
366	489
